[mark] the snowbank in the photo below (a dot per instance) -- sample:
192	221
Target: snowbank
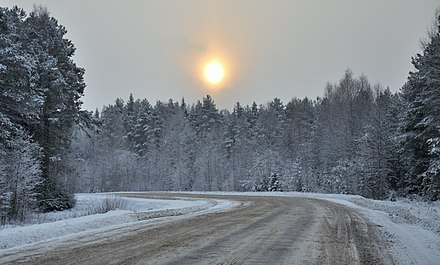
410	228
75	221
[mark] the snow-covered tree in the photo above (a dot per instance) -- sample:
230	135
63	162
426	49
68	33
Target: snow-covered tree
62	84
40	91
422	119
20	172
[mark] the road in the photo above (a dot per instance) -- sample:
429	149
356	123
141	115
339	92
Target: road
262	230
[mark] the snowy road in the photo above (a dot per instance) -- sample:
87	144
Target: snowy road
262	230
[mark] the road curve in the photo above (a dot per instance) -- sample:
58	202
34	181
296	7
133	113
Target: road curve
262	230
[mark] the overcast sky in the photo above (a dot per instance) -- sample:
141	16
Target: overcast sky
270	48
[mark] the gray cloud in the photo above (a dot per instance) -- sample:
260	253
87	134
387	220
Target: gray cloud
272	48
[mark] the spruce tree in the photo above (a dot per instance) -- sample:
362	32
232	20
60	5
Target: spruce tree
422	120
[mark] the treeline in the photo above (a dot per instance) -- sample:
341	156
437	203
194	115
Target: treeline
357	139
345	142
40	87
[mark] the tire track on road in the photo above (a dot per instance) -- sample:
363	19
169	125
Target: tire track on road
262	230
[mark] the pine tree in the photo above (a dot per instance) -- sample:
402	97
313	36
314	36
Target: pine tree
63	85
20	98
274	183
237	144
299	131
422	120
375	152
41	88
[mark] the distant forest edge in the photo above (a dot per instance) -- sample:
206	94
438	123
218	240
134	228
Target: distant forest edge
358	138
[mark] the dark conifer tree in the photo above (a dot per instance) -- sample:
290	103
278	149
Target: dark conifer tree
422	120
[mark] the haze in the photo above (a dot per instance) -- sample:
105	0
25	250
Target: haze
280	48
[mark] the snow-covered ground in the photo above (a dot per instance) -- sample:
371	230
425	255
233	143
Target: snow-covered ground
79	220
411	228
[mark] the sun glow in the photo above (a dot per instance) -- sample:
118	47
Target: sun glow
214	72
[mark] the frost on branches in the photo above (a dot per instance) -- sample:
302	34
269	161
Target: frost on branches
39	105
422	119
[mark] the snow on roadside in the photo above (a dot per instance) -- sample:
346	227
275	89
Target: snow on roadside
88	203
410	228
67	223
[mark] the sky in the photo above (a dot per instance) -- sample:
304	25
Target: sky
156	49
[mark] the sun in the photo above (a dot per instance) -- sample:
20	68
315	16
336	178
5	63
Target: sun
214	72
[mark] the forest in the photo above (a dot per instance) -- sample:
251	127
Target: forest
358	138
